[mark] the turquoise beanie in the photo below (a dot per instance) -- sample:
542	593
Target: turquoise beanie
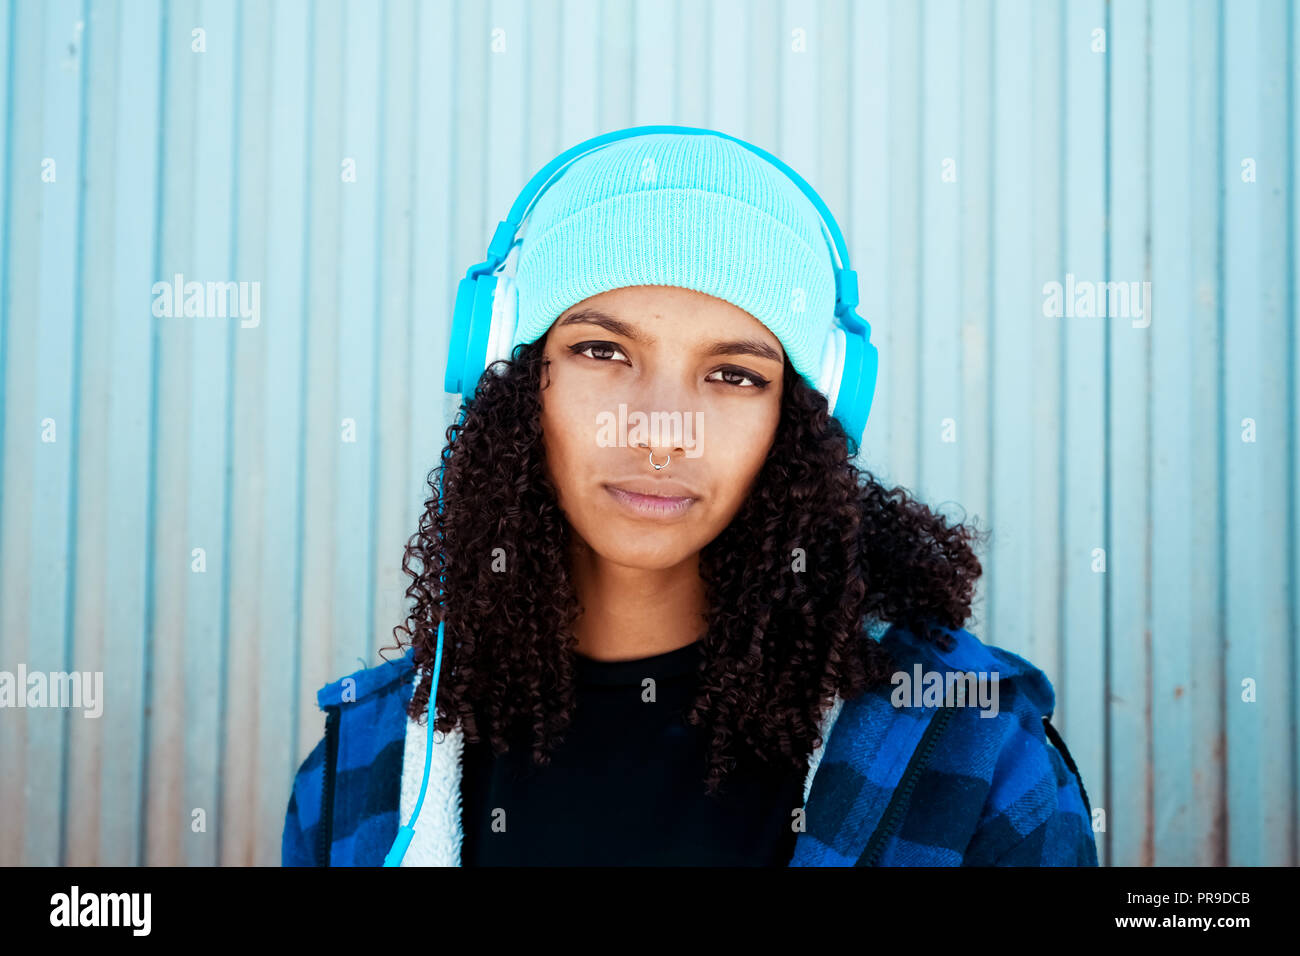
690	210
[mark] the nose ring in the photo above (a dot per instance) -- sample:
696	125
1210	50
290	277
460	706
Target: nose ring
664	465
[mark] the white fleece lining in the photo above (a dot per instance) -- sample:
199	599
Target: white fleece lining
815	757
438	833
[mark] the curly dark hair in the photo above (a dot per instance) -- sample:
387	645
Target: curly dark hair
781	641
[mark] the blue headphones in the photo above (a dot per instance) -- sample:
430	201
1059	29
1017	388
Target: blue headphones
487	310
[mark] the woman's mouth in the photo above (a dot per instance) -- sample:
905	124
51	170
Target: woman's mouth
650	506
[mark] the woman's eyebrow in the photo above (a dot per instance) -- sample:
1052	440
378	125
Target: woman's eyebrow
753	347
745	347
608	322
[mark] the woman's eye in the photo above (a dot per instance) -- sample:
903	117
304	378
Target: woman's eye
735	376
598	347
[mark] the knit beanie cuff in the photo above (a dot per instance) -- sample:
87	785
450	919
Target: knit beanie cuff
692	238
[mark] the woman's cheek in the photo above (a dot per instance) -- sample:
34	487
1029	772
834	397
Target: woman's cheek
576	461
748	444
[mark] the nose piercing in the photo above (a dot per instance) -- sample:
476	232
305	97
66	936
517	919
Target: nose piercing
664	465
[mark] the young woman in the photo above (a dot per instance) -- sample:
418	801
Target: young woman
707	644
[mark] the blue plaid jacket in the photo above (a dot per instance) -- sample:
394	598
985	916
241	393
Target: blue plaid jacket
898	782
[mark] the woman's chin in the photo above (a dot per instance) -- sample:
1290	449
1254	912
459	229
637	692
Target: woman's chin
646	555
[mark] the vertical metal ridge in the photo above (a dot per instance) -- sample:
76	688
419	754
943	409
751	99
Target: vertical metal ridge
1220	442
1106	600
150	564
304	303
74	455
1293	437
223	656
377	336
5	239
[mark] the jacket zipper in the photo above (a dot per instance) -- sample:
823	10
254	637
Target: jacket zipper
326	829
894	812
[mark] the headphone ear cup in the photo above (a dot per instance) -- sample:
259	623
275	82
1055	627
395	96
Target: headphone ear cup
858	382
462	317
471	327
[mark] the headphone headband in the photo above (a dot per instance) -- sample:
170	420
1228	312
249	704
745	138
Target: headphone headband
503	239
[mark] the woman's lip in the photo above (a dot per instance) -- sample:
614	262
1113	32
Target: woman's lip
650	506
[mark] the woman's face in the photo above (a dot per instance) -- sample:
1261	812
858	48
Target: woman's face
711	372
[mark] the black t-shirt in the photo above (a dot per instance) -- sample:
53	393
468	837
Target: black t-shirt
626	787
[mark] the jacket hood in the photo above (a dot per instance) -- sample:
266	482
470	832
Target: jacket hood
369	681
969	653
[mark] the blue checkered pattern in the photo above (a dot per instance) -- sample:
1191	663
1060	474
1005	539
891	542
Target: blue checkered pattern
897	786
369	708
989	791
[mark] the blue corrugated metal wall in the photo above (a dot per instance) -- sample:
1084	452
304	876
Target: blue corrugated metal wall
182	508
